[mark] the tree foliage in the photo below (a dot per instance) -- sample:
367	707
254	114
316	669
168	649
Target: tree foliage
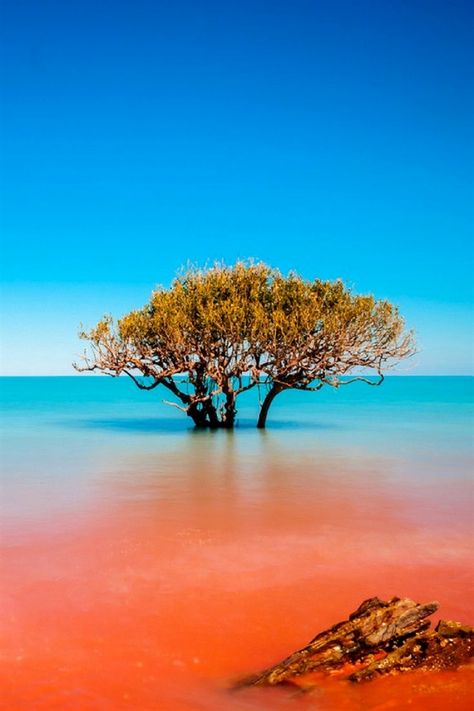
218	332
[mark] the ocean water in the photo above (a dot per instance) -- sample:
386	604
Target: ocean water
146	565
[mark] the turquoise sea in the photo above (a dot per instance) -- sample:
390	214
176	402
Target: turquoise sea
61	435
60	431
420	412
126	534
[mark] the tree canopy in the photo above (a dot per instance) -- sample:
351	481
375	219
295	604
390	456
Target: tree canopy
218	332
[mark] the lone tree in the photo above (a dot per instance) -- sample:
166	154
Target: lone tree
218	332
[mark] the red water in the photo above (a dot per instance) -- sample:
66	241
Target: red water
162	590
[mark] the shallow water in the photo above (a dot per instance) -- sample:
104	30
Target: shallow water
147	566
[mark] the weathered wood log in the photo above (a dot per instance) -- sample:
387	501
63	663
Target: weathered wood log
379	637
447	647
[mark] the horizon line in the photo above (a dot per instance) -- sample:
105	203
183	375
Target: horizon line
101	375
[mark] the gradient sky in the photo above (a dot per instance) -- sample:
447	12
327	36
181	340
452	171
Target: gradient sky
334	138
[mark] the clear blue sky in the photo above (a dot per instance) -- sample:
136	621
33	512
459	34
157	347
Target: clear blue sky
334	138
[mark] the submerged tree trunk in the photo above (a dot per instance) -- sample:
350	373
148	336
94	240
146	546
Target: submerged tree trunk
270	396
198	414
212	416
205	415
378	638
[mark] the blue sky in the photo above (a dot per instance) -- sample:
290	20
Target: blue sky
331	138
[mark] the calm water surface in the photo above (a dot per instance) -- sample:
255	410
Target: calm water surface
146	565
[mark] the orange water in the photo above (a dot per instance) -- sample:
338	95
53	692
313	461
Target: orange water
181	573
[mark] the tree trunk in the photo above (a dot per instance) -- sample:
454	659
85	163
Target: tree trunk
198	414
213	420
229	412
204	414
270	396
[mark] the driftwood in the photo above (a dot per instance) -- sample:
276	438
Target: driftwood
378	638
